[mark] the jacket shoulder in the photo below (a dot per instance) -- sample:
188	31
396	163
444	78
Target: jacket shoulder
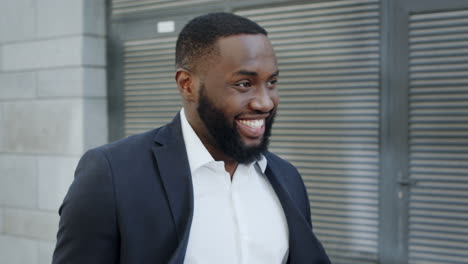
277	161
134	141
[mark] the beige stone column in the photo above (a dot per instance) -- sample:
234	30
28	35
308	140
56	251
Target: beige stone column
52	109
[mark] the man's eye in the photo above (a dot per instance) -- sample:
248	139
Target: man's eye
272	82
243	84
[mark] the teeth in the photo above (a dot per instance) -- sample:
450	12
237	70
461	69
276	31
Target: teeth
253	123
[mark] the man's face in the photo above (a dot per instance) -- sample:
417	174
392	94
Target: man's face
227	135
238	96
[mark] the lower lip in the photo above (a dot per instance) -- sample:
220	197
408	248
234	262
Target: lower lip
250	132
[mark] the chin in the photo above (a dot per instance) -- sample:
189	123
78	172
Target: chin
252	142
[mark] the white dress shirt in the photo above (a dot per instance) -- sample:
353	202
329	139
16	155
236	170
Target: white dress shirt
234	222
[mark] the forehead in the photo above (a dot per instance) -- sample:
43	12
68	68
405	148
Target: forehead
246	52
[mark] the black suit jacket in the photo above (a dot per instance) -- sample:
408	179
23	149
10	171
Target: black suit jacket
132	202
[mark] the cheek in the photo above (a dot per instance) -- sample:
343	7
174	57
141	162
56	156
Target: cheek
234	102
274	98
234	107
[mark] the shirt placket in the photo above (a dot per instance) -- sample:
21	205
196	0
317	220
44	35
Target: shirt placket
239	179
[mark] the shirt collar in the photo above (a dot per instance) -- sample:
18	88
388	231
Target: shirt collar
262	163
197	154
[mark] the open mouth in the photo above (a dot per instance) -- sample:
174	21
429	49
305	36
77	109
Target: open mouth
251	128
253	123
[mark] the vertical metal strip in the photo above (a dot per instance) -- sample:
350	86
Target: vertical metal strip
394	140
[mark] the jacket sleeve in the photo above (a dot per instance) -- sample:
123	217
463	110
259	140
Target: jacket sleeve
88	231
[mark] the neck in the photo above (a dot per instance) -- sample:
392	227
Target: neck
230	164
231	168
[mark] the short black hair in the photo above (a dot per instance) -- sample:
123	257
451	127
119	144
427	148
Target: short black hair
198	37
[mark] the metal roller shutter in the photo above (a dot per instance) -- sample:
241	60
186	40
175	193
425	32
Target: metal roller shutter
125	7
438	224
151	97
328	120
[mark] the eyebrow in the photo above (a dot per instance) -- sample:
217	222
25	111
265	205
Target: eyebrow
275	74
254	74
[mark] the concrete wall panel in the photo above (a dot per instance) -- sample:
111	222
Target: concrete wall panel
15	250
2	126
75	82
18	181
55	177
60	82
1	220
76	17
95	82
47	127
94	51
95	123
46	250
17	85
1	58
28	223
43	54
14	27
95	17
58	18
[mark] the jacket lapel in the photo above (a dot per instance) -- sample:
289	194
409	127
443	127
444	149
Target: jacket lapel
172	162
304	247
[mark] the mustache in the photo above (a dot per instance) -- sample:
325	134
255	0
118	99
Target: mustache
269	115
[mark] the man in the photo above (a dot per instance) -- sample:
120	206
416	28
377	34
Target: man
202	189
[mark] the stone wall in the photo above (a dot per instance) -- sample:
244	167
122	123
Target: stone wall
52	109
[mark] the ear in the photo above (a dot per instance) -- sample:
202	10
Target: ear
186	82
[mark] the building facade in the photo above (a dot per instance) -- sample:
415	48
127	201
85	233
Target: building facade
373	112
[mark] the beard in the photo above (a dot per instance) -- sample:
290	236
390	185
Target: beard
226	135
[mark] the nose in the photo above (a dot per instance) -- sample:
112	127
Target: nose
263	100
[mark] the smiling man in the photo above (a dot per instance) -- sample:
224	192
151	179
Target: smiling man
204	188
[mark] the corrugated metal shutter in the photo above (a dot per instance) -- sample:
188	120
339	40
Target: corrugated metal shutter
328	121
151	97
125	7
438	221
